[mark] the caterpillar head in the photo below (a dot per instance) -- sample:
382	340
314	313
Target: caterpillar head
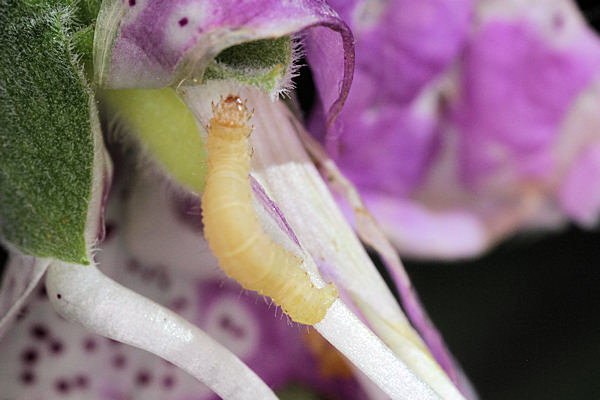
230	118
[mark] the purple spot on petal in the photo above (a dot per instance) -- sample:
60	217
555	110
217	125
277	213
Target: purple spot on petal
39	332
131	3
62	386
59	296
56	347
81	381
29	356
558	21
119	361
90	345
27	378
183	22
143	378
168	382
22	313
227	324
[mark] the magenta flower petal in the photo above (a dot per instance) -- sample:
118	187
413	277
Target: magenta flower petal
515	95
389	147
390	139
155	43
405	44
451	163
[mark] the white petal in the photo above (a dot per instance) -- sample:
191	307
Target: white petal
86	296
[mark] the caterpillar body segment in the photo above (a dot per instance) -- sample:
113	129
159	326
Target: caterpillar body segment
231	227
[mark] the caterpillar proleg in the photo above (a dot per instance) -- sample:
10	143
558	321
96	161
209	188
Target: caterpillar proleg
231	226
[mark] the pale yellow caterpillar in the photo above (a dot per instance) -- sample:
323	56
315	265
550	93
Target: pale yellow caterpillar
231	227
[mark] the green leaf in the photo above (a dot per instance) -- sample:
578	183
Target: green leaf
166	129
46	135
265	63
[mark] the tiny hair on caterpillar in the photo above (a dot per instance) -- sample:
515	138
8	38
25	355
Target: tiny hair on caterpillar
231	226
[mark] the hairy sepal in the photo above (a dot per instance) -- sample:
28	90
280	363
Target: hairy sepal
52	157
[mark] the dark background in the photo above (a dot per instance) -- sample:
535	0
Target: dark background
523	320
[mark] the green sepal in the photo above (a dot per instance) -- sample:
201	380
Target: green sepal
46	132
83	45
87	11
166	129
265	63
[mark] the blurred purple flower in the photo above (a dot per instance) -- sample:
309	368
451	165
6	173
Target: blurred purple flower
469	122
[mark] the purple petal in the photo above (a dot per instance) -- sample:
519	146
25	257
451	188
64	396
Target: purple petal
453	167
404	44
160	43
331	57
48	357
515	95
401	46
392	146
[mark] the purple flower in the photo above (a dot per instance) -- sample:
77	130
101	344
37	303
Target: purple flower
154	285
455	149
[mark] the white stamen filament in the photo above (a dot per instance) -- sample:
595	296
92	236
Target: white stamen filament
84	295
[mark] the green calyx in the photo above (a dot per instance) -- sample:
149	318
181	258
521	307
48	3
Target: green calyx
47	125
266	64
166	129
